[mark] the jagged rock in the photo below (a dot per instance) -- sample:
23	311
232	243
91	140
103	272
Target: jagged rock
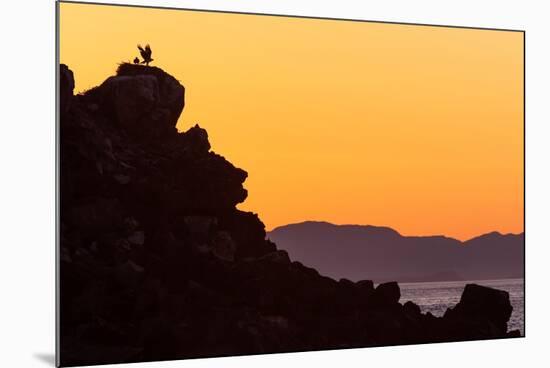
123	244
347	283
200	225
411	308
485	305
387	293
171	92
66	88
130	224
65	255
137	238
365	287
131	99
100	215
129	274
309	271
278	322
195	140
248	232
279	257
142	100
122	179
486	302
223	246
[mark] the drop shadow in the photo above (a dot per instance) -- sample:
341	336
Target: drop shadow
47	358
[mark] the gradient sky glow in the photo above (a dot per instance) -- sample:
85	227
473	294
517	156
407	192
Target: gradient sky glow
413	127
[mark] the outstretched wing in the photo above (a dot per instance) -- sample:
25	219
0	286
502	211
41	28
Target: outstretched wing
141	51
148	50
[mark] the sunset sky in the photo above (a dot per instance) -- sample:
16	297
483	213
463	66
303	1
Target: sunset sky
413	127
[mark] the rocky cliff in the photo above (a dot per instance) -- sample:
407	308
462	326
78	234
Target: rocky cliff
157	263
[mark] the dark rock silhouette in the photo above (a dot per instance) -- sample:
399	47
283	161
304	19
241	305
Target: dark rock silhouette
66	87
387	293
143	100
382	254
485	307
157	263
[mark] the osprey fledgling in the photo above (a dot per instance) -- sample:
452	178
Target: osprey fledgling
136	60
145	54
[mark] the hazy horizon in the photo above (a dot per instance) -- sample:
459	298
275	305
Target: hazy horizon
268	230
383	254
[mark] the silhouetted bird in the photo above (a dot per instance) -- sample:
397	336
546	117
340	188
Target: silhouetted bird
136	60
145	54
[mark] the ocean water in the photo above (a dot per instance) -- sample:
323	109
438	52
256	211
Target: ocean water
436	297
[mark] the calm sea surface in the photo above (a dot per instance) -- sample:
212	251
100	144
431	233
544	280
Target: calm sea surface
436	297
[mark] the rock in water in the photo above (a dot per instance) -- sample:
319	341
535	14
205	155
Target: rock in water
387	293
484	305
366	286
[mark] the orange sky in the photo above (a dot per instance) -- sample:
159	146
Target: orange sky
413	127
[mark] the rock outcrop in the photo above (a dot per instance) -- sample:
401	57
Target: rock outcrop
157	263
481	310
144	100
66	88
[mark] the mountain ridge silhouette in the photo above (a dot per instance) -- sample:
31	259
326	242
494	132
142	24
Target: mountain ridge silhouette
382	253
496	232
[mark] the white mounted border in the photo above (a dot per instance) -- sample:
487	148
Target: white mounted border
27	205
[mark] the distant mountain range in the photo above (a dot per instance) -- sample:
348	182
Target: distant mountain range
381	254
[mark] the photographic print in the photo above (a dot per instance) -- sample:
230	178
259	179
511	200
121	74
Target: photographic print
236	184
